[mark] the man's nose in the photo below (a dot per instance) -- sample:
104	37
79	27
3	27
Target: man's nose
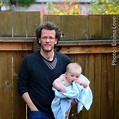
48	39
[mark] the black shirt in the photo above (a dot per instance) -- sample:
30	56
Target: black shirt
36	78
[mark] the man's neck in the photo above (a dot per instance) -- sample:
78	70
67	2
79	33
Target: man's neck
47	55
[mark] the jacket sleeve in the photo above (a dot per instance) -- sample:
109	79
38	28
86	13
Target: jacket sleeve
23	77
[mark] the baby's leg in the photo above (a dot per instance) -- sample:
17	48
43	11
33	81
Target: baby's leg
67	113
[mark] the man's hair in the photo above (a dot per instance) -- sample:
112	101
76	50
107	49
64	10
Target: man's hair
48	26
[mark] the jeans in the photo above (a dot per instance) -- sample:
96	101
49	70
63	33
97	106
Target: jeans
40	115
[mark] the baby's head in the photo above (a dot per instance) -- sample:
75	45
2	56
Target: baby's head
74	67
73	71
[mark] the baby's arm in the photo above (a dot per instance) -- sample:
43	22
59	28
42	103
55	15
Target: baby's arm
83	83
56	84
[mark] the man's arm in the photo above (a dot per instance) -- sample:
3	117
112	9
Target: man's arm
29	102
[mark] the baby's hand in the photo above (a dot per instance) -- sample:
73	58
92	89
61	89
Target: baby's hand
83	83
62	89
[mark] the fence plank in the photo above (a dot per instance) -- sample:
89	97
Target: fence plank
91	78
83	59
110	85
107	21
6	86
106	89
116	101
95	27
97	85
80	27
54	18
117	26
6	24
68	27
19	24
45	18
19	106
32	21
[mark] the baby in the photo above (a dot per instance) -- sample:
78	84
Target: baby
73	71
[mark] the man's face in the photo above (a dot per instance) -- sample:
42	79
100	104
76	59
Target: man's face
47	40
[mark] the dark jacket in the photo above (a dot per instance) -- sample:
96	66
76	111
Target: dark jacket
36	78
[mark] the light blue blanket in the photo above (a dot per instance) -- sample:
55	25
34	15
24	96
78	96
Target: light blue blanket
62	101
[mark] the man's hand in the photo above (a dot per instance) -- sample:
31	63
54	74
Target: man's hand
73	102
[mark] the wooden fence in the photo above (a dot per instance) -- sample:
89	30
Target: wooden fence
96	61
17	37
89	27
90	42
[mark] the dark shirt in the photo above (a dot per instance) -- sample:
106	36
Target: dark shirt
36	78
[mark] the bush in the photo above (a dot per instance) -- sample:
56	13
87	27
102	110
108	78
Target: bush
105	7
23	2
67	8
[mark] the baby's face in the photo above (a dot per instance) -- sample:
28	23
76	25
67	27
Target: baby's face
71	76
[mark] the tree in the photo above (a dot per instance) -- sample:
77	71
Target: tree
22	2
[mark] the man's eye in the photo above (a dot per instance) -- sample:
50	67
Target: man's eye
44	37
51	38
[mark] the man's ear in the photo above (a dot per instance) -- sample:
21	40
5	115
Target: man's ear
56	41
39	40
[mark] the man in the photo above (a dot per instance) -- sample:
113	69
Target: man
39	70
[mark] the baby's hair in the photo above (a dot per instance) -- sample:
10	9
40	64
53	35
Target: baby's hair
73	67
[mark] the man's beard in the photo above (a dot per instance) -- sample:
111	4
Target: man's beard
47	50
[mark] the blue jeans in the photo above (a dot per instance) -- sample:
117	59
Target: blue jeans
40	115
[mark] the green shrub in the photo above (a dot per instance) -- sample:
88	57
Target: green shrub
67	8
23	2
104	7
